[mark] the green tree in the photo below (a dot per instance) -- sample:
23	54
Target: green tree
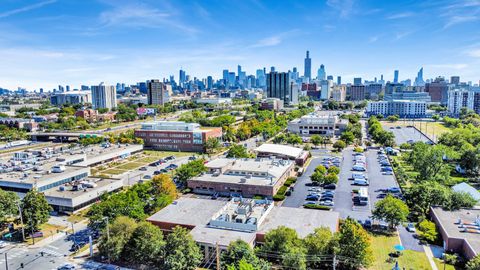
348	137
111	245
428	160
422	196
392	210
239	250
243	264
190	169
321	169
182	253
295	258
280	240
393	118
470	161
333	169
330	178
212	144
354	245
294	139
8	205
339	145
317	177
473	264
145	246
427	230
317	244
461	200
316	140
35	210
237	151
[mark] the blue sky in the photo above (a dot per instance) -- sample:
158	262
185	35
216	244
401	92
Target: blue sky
44	43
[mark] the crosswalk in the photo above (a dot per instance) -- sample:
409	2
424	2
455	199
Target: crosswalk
50	251
13	253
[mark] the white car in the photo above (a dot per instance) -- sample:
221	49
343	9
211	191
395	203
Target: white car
3	244
388	173
411	227
326	203
314	189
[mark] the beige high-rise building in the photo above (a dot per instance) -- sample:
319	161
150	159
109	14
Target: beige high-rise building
158	92
104	96
339	92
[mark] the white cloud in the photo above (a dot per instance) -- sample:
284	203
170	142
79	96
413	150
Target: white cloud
274	40
449	66
473	52
454	20
26	8
401	35
400	15
345	7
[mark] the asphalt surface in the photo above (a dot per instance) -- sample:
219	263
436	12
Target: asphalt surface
408	240
343	193
405	134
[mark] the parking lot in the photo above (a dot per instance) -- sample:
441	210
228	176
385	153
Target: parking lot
377	181
406	134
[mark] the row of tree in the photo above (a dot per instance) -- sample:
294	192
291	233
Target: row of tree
378	134
323	175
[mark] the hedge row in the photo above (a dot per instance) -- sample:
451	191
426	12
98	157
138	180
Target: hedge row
290	181
316	206
280	196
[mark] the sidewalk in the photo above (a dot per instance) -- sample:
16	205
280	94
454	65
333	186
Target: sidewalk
46	241
429	254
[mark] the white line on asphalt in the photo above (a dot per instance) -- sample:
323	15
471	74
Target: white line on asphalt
50	246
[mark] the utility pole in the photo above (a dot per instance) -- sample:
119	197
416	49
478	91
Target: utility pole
334	262
6	261
218	255
21	221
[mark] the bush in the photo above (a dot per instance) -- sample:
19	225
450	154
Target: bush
257	197
187	190
334	170
427	231
358	149
290	181
318	207
282	190
278	198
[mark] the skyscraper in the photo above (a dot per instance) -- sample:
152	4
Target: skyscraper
158	92
278	86
181	77
308	66
419	79
455	80
104	96
209	82
395	76
357	81
321	75
339	80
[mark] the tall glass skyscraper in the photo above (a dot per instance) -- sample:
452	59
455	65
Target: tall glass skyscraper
308	66
321	75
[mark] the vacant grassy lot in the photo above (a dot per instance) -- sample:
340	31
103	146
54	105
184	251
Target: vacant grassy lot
384	244
433	130
47	229
130	166
440	265
113	171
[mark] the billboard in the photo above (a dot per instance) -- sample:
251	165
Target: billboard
145	111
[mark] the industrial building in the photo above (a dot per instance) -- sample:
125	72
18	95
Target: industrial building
320	124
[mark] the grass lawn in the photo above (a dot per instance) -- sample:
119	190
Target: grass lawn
383	244
147	160
113	171
129	166
432	129
439	264
162	154
47	229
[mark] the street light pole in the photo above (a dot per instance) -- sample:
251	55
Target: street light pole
21	221
6	261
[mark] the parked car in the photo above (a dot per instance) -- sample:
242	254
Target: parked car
381	195
388	173
214	196
66	267
410	227
3	244
192	158
360	182
327	203
312	184
143	168
330	186
314	189
309	203
146	176
394	190
157	172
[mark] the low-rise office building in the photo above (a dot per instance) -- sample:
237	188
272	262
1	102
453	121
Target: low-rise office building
402	108
216	222
460	230
275	104
311	124
176	136
243	177
279	151
71	97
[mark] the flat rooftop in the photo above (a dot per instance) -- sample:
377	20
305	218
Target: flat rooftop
280	149
100	185
272	167
97	153
188	211
208	235
448	220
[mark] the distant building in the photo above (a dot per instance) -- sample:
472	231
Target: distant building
71	97
308	66
89	115
214	101
321	74
357	92
339	92
459	98
438	90
158	93
326	89
402	108
20	123
278	86
104	96
373	90
455	80
176	136
395	76
325	125
268	150
275	104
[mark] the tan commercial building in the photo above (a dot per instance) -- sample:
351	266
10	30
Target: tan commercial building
244	177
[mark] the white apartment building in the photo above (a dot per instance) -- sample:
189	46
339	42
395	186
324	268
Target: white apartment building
104	96
402	108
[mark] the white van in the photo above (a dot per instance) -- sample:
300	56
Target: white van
360	182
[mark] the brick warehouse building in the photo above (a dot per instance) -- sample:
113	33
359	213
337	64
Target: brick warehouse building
176	136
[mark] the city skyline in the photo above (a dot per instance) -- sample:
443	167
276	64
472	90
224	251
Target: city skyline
47	43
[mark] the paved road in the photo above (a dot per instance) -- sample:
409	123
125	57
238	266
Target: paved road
298	196
405	134
343	194
408	240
